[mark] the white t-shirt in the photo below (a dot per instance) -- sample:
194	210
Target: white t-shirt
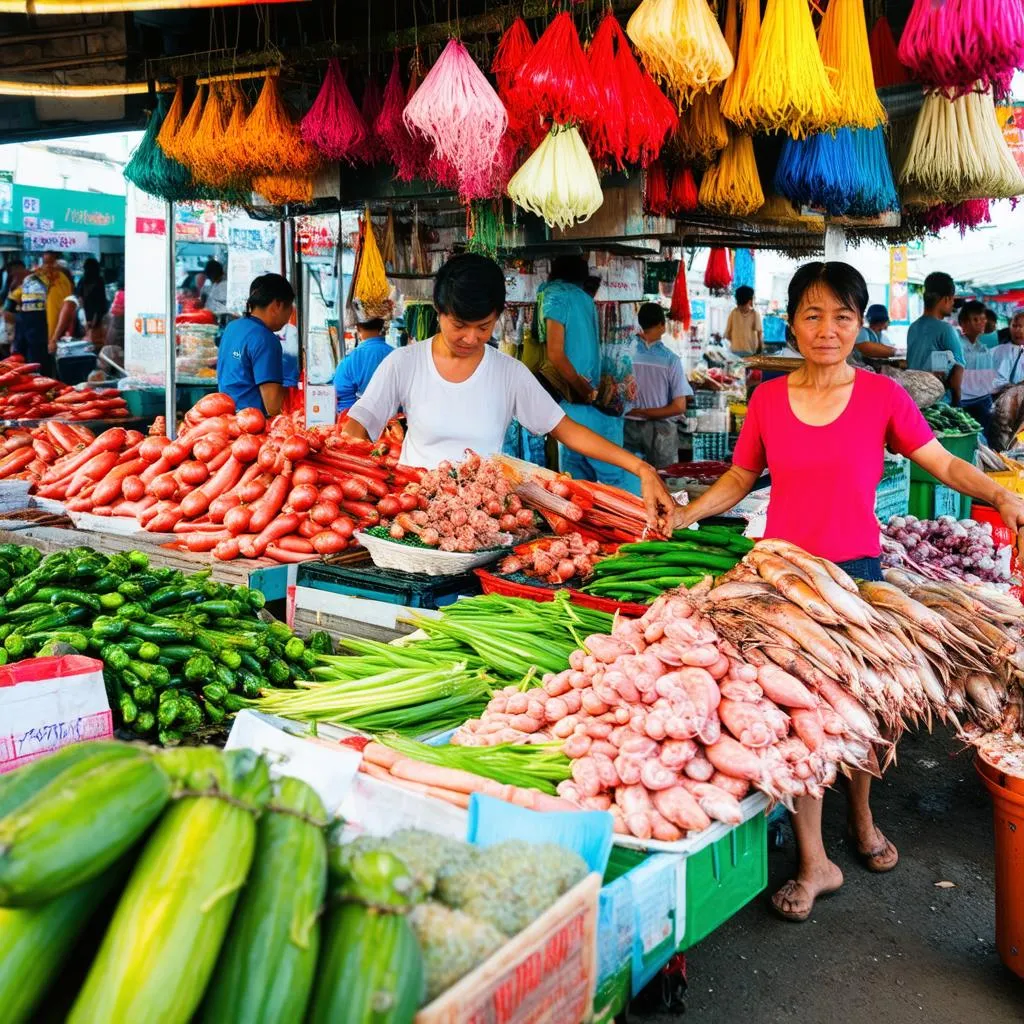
444	419
216	296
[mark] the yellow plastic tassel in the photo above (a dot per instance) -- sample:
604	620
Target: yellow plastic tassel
789	89
167	139
702	133
371	283
271	138
732	93
846	53
731	31
387	248
184	136
731	186
203	153
279	189
680	43
233	143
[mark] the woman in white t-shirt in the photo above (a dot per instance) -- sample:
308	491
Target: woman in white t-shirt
458	393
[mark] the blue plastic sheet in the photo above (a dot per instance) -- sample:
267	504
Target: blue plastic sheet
588	833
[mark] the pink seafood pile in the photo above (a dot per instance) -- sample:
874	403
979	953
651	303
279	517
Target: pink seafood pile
669	728
553	560
470	505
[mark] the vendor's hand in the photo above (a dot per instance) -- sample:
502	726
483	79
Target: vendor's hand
1011	508
639	414
659	503
52	347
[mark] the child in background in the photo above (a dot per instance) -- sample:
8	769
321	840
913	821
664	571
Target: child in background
743	329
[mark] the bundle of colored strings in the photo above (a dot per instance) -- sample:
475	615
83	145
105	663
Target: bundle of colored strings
702	133
408	151
718	272
843	42
370	284
679	310
152	170
271	142
736	83
731	186
885	62
555	81
333	124
819	170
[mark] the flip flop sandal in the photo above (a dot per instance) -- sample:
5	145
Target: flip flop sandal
795	915
880	860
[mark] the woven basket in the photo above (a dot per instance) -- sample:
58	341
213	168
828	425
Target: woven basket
389	554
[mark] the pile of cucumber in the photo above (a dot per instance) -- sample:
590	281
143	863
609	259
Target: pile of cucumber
638	573
944	419
180	652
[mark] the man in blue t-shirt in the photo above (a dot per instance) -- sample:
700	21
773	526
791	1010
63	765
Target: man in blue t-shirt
249	358
358	367
930	335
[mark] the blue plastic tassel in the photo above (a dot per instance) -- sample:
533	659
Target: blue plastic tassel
876	190
820	171
743	268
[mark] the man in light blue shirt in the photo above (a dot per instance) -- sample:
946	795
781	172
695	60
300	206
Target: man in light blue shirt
567	318
991	336
980	365
662	390
358	367
930	335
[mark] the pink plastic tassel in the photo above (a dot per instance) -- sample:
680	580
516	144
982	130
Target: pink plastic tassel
408	152
460	113
333	124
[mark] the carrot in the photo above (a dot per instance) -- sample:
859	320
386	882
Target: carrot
16	461
111	440
285	557
196	503
280	527
449	796
264	510
95	469
109	488
379	754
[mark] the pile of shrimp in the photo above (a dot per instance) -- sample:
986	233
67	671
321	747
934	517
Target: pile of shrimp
470	506
668	728
904	650
553	560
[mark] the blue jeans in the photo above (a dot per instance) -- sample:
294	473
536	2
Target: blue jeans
579	466
868	569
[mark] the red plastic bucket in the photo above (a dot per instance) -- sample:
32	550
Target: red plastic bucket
1008	806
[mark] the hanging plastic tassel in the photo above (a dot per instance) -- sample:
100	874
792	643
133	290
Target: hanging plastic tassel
963	216
371	149
718	272
876	190
743	269
679	311
956	45
462	116
735	84
152	170
233	143
167	138
272	141
843	42
513	49
656	195
279	189
408	151
204	152
789	89
683	197
819	171
189	126
334	125
370	283
680	43
731	29
606	138
555	81
885	62
387	245
731	186
558	182
702	133
646	134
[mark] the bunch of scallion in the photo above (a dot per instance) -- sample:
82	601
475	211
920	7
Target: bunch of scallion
533	766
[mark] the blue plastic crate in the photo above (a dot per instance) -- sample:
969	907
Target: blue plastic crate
893	495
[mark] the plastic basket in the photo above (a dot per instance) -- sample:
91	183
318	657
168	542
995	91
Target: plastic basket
929	501
1011	481
893	495
707	399
372	583
144	403
963	446
389	554
711	447
492	584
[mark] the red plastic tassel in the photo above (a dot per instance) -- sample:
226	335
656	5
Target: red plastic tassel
333	124
718	273
885	61
372	149
513	49
648	135
525	127
679	311
555	81
409	153
683	197
964	216
656	190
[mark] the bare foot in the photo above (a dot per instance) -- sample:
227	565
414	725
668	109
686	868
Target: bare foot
876	853
795	900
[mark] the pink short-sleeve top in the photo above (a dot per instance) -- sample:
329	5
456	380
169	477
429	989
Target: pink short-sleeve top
824	478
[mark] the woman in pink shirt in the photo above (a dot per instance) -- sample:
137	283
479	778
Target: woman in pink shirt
822	432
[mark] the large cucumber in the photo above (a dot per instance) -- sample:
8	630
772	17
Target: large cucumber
77	826
371	970
35	941
266	968
161	947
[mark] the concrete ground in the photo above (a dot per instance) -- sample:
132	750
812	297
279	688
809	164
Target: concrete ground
886	949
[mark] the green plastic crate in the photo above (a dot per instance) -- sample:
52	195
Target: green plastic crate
929	501
145	403
963	446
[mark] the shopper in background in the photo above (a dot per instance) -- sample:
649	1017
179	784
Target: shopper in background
1010	369
979	365
214	293
59	286
932	343
571	367
249	364
662	390
873	342
991	336
92	291
14	273
28	303
358	367
744	330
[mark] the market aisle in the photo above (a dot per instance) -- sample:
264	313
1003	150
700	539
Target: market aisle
888	948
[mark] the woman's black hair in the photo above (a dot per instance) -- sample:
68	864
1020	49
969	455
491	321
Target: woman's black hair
268	288
845	282
938	285
469	287
573	269
91	276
